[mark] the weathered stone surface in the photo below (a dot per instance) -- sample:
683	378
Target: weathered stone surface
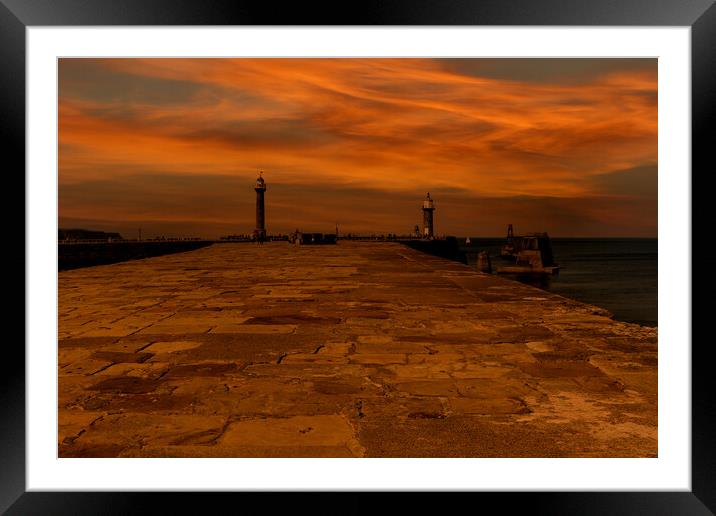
122	432
126	385
172	346
85	367
202	369
292	433
120	357
358	349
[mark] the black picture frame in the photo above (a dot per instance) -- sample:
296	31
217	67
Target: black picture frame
17	15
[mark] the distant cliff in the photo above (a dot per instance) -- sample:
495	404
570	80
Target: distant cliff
86	234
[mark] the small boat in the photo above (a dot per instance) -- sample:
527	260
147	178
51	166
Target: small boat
532	255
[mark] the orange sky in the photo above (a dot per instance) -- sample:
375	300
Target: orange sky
173	146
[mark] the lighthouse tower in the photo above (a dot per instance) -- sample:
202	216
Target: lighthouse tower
428	209
260	231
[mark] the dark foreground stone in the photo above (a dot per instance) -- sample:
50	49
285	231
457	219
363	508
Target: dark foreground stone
358	349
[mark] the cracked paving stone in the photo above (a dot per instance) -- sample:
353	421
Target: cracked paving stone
353	350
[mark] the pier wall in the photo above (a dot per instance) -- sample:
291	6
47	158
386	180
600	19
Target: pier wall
445	248
352	350
78	255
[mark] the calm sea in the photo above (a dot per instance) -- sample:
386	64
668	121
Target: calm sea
617	274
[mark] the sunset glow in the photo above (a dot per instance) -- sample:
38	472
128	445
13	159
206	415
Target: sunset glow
173	146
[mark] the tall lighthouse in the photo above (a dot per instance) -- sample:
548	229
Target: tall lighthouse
260	231
428	209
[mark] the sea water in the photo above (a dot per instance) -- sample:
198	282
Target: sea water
618	274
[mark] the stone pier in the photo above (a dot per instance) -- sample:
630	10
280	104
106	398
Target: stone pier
353	350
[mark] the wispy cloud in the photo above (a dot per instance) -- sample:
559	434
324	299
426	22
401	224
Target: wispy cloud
493	129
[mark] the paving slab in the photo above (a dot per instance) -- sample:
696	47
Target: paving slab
361	349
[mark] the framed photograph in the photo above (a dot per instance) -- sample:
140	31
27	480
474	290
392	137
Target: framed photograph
418	248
